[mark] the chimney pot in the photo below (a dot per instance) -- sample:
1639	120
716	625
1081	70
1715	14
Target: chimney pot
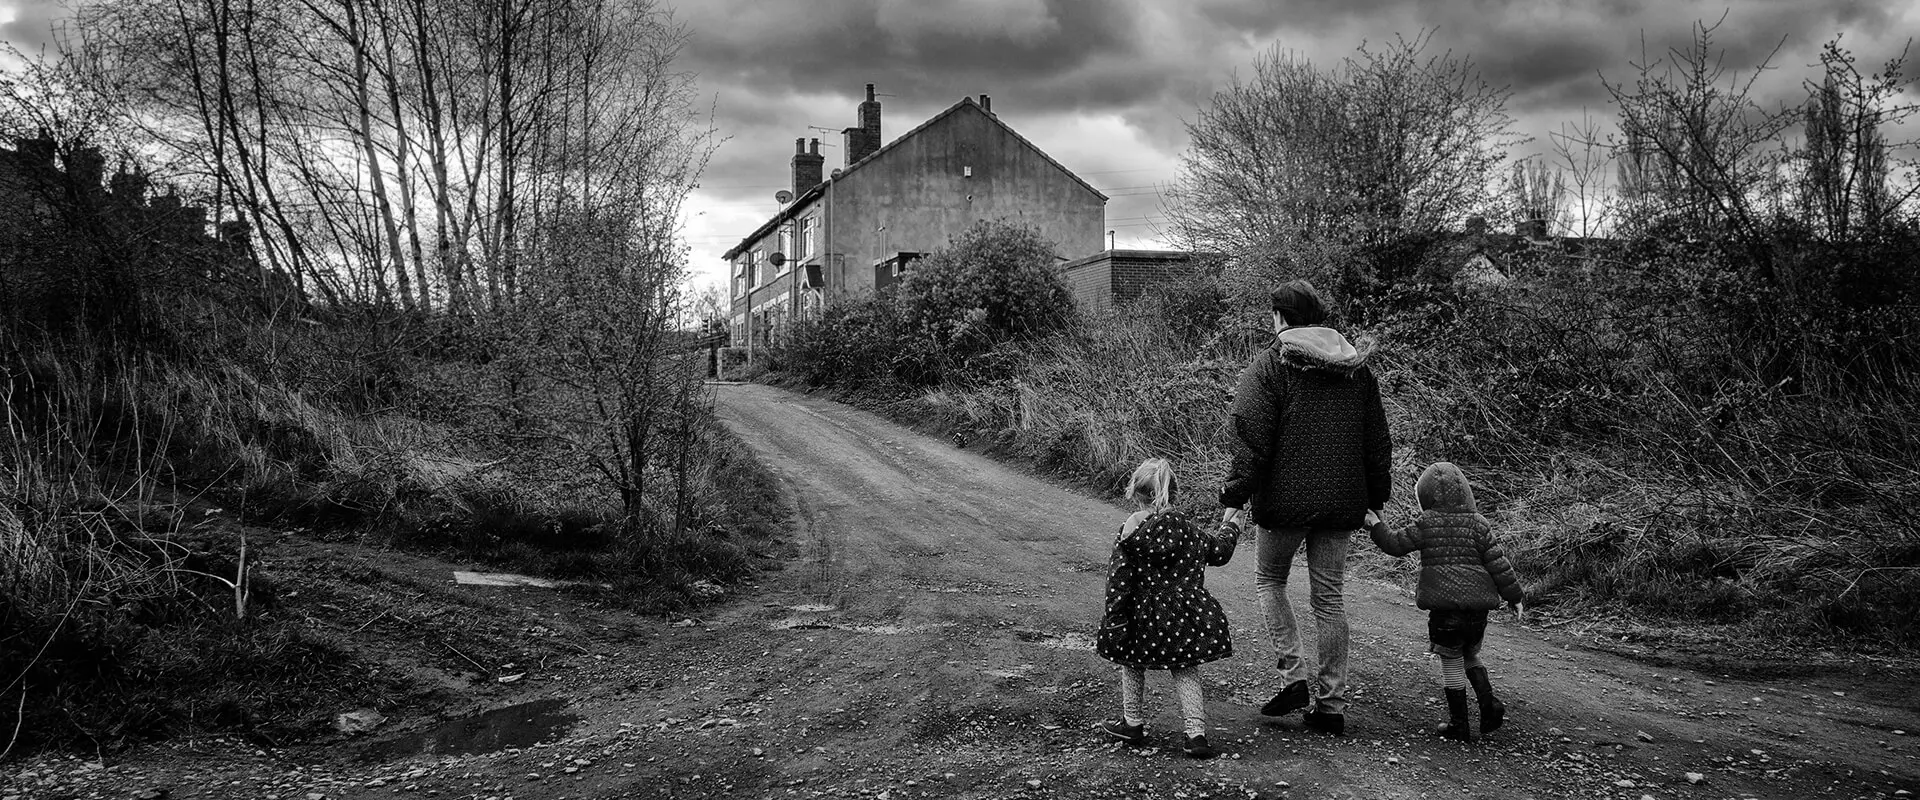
806	165
813	146
864	139
986	103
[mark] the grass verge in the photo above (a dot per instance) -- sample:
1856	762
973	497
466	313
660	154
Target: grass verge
1618	488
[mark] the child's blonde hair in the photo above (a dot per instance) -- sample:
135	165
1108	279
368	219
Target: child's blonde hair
1152	483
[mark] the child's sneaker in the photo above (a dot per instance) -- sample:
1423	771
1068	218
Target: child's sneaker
1133	735
1197	747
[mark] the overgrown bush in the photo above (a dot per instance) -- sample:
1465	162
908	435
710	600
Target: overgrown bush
1627	460
951	320
1633	440
856	343
119	591
1153	379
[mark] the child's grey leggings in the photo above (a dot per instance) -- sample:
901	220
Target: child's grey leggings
1186	684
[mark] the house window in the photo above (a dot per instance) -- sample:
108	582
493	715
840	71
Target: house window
739	275
786	246
804	246
757	269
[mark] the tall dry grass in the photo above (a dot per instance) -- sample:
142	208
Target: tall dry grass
1626	461
122	594
1155	380
126	614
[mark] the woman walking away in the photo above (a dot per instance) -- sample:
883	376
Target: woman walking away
1159	614
1463	575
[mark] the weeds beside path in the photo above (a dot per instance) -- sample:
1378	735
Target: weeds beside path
931	640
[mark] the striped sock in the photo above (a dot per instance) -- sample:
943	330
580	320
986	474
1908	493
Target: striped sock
1453	672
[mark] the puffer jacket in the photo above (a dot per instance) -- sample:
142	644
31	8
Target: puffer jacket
1310	442
1461	567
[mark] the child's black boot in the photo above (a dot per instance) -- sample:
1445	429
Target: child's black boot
1492	712
1458	728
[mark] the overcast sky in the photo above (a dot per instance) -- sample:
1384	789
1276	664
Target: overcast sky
1107	86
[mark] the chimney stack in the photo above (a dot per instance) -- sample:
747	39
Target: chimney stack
986	103
864	139
807	166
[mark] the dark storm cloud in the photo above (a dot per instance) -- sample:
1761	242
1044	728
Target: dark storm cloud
1551	67
1554	56
32	25
1263	18
911	49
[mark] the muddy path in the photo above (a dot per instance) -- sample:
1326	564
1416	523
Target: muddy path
932	640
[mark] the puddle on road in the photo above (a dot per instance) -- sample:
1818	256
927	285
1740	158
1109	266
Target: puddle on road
522	725
888	629
1057	641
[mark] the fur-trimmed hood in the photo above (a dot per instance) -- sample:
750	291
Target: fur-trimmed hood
1318	348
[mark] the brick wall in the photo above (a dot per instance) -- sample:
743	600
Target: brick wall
1091	283
1133	276
1116	277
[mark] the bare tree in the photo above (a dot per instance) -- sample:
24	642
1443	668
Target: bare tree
1844	189
1583	159
1696	153
1390	142
1538	192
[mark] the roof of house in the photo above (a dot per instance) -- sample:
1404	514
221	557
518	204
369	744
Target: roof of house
793	209
1131	255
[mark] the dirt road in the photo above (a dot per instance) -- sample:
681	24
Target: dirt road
932	640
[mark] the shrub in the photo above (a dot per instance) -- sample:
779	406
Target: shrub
994	283
853	344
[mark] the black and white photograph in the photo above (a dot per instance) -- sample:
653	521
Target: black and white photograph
988	399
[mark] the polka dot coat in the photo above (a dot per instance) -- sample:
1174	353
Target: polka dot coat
1159	614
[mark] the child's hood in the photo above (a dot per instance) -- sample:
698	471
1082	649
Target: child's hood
1443	487
1319	348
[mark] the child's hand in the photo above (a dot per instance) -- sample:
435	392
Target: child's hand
1373	518
1519	612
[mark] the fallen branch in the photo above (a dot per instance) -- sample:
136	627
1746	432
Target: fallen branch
456	651
375	618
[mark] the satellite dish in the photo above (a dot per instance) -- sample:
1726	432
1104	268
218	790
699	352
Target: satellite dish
777	258
783	196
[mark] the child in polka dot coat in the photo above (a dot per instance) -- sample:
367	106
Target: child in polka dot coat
1159	614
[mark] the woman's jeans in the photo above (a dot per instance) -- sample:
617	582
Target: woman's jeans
1326	573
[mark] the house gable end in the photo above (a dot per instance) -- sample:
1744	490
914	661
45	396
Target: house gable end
966	105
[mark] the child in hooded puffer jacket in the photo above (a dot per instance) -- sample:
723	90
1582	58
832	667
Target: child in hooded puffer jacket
1463	575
